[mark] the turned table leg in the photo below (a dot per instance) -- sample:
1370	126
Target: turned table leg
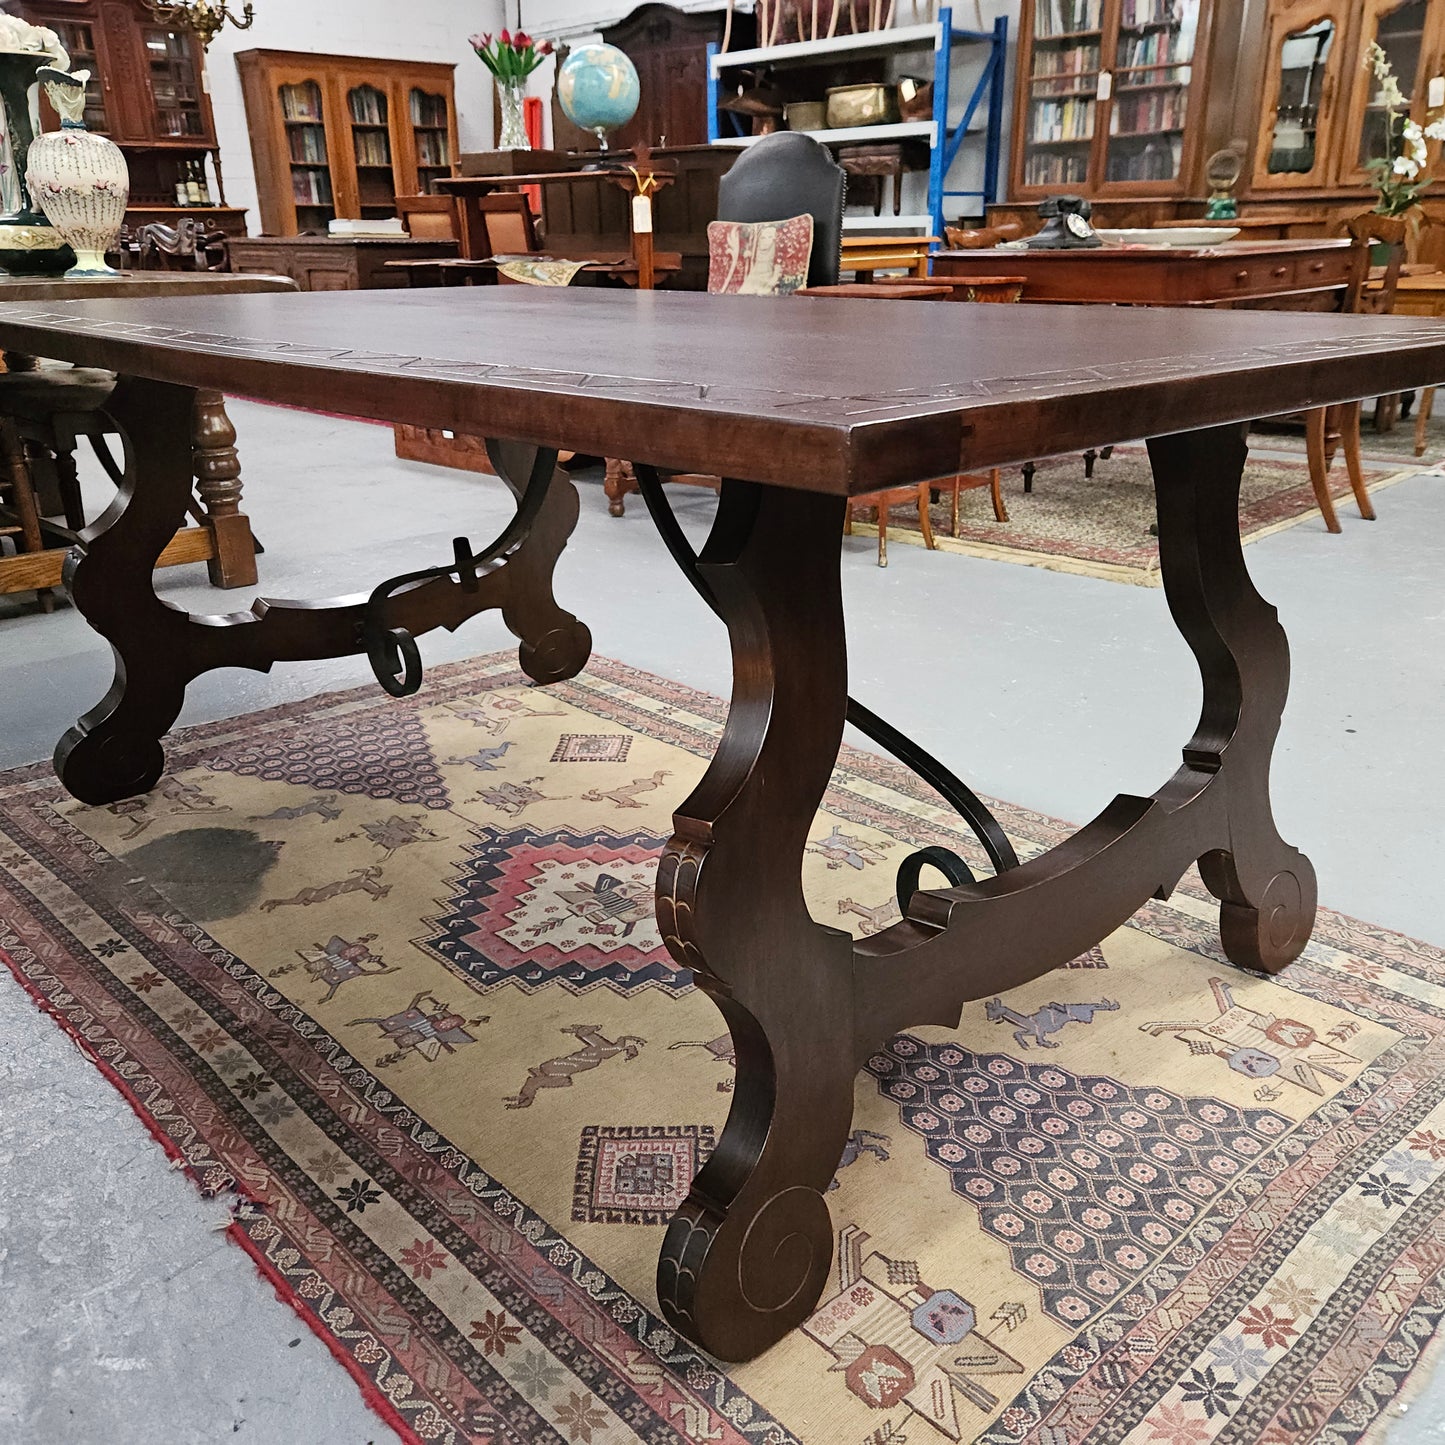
218	483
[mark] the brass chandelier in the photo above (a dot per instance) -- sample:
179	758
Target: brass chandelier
204	17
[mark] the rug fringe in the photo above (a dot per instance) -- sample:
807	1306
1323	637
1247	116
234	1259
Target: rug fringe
369	1392
234	1228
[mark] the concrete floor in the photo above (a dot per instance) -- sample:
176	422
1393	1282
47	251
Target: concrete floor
127	1319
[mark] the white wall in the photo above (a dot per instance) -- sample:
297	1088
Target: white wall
410	30
575	20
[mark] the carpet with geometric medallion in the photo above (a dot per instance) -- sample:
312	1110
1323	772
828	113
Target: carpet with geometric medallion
386	973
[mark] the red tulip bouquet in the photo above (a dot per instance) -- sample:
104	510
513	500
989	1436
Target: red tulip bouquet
510	56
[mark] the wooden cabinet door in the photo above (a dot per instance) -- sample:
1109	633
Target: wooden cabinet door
1407	32
373	146
127	84
1149	127
1301	102
307	188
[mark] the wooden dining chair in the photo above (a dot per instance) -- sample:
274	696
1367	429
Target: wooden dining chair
430	218
1362	298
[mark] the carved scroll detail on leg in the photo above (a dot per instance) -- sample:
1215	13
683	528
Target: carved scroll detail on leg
747	1254
1266	888
555	644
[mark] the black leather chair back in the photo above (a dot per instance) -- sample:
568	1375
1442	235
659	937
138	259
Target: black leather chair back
790	174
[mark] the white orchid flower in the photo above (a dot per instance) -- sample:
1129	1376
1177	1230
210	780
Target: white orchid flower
1404	166
1436	129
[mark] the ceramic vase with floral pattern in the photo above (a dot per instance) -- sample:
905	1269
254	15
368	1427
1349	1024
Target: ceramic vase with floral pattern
77	178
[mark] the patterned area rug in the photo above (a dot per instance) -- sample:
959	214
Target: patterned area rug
1100	527
388	971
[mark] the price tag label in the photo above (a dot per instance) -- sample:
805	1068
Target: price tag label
641	215
1436	95
1106	84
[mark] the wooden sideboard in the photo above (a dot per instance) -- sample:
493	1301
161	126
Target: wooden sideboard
1293	274
324	263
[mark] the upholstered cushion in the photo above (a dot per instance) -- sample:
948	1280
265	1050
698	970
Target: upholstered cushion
38	395
758	258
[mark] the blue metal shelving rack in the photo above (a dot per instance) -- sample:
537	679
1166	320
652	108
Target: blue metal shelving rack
944	143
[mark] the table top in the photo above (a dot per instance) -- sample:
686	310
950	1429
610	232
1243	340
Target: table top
824	394
136	284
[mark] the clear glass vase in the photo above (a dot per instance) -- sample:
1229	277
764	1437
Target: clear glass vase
513	136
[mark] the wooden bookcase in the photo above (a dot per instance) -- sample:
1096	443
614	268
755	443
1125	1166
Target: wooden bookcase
147	93
1109	97
342	136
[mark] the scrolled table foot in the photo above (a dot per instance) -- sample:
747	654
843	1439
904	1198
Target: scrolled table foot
1264	923
558	654
738	1281
103	766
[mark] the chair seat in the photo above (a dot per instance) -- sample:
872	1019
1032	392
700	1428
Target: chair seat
52	391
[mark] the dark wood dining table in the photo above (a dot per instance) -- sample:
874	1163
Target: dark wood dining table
797	407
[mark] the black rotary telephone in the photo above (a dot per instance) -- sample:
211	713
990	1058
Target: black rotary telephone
1066	225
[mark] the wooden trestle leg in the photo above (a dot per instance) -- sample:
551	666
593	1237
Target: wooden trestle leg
115	750
747	1255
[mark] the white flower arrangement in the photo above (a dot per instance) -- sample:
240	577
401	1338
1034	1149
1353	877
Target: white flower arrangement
1401	174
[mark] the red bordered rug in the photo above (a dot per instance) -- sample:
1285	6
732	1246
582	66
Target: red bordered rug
388	972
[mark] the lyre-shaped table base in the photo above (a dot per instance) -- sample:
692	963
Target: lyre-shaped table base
115	750
747	1254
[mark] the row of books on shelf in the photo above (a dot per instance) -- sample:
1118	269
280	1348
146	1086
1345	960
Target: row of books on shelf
431	149
308	145
1158	47
1157	160
1066	17
1056	170
1058	70
311	188
368	106
1133	13
428	109
373	148
1154	110
1071	119
301	102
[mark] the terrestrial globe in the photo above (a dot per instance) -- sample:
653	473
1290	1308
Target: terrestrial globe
598	89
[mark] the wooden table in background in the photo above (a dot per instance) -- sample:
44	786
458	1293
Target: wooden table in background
1305	275
865	254
630	179
224	541
333	263
693	383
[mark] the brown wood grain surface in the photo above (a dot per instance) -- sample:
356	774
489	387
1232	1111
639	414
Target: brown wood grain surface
825	395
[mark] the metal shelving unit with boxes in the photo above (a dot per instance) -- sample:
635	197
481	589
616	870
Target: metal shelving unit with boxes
982	114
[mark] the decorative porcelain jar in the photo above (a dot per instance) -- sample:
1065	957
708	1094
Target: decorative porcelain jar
29	245
77	178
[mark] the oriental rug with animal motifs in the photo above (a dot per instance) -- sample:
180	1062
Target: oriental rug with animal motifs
388	972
